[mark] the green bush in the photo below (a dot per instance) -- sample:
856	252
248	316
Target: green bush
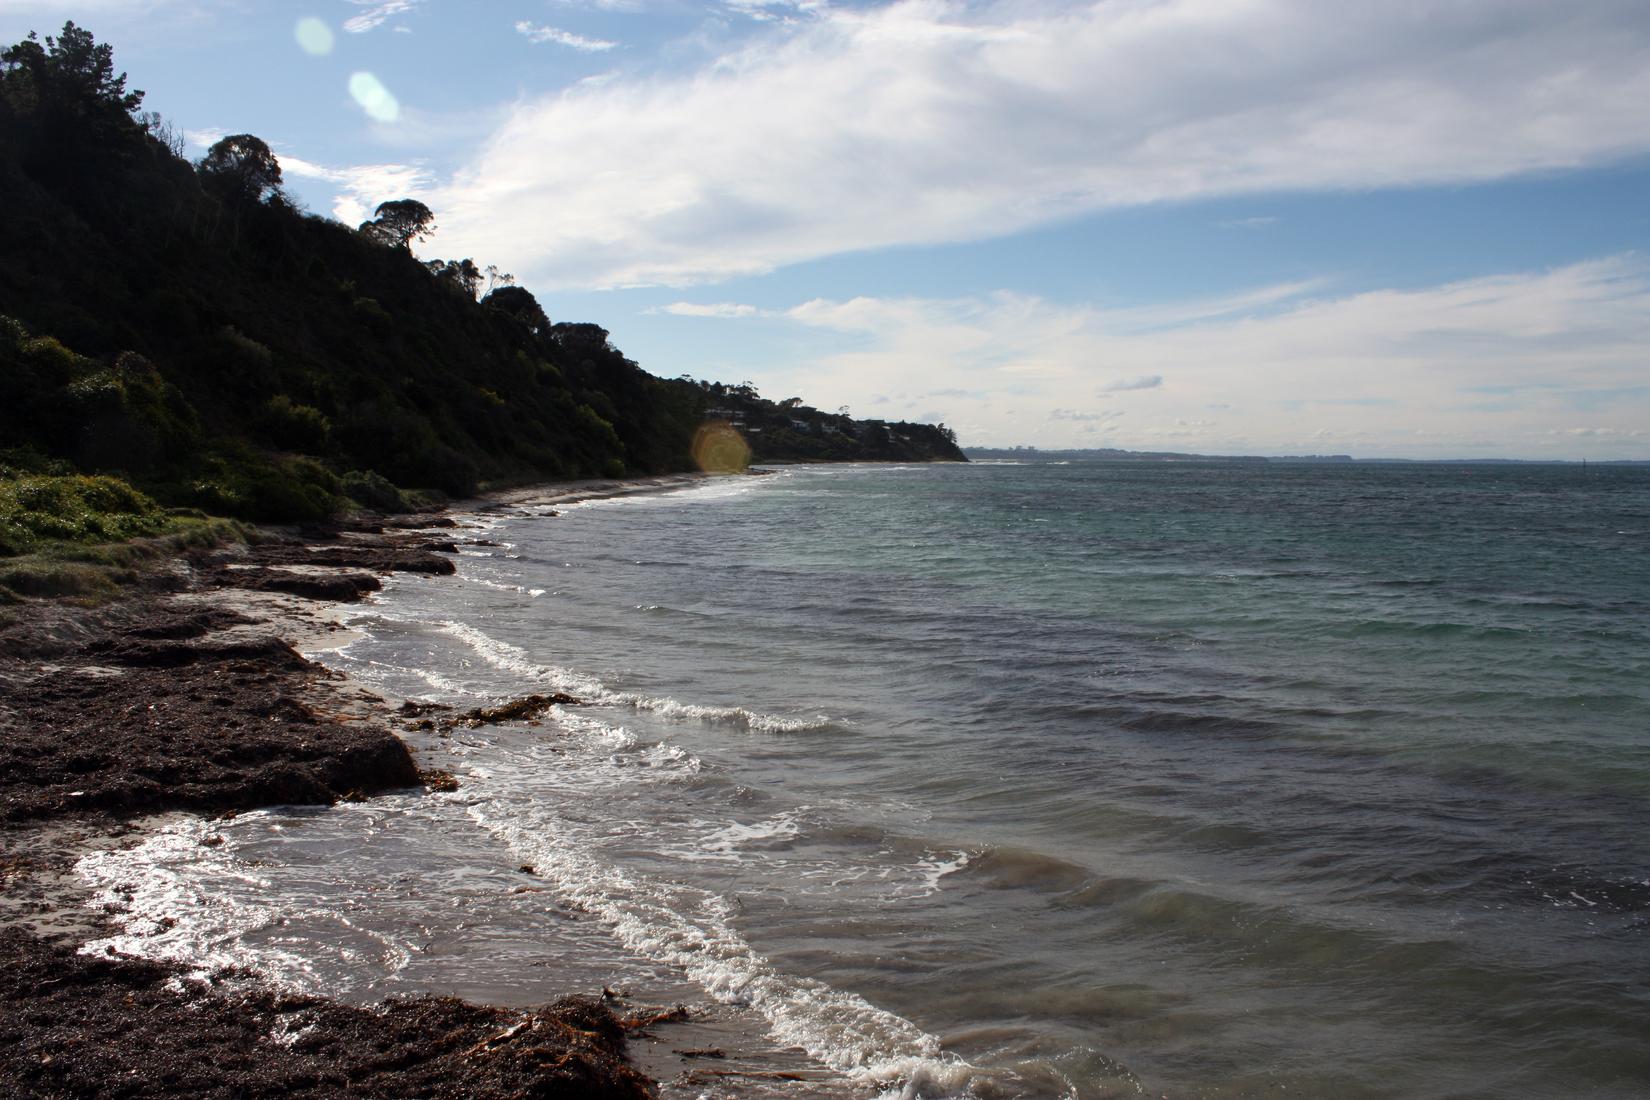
50	358
373	490
37	508
87	583
248	486
17	461
294	427
12	333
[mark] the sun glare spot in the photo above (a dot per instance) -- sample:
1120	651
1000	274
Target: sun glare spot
718	448
314	37
374	98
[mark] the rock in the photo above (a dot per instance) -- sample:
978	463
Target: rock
528	706
338	587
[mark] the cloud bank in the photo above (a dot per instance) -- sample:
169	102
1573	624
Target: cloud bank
927	121
1528	364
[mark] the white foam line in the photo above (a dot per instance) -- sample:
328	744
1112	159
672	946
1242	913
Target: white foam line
516	660
689	928
737	717
520	590
169	897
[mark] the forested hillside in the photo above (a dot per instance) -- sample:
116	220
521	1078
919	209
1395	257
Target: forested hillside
189	329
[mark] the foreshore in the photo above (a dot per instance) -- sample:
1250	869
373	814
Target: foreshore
190	694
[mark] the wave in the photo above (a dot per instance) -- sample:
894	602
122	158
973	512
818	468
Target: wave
168	897
734	717
1009	868
497	586
519	662
690	928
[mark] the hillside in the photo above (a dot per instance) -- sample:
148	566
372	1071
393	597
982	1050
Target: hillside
187	328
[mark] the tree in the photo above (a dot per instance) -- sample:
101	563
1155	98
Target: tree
242	169
519	303
72	70
461	274
162	131
398	223
65	106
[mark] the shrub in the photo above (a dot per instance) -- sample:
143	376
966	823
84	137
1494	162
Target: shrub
373	490
249	486
50	358
294	427
39	507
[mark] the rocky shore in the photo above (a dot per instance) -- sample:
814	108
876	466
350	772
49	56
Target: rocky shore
189	695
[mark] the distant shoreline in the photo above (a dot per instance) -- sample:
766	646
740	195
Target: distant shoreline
1106	454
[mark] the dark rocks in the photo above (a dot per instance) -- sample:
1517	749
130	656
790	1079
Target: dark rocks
137	708
207	725
435	779
528	706
335	587
77	1026
182	623
144	653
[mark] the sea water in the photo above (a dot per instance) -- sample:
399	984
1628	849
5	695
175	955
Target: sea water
1100	779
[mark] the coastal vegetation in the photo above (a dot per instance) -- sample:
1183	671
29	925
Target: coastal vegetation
183	336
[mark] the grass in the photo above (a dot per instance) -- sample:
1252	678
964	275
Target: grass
37	509
83	538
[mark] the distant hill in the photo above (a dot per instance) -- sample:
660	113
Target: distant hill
186	327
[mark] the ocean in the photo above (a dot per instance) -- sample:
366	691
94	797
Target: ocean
1012	780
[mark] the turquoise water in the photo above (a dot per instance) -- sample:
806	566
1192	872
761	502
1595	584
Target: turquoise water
1081	780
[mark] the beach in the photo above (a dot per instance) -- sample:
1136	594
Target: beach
986	782
189	695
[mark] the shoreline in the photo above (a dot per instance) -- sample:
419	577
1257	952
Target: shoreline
189	694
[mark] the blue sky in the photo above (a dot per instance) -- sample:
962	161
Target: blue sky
1230	226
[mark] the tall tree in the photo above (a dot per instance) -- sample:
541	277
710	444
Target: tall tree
242	169
399	222
66	107
73	70
519	303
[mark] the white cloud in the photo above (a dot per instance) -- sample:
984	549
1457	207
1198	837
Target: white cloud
767	11
1143	382
1399	372
378	12
73	8
713	309
1626	433
538	33
360	187
929	121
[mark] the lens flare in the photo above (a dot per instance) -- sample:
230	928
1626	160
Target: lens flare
374	98
314	37
719	449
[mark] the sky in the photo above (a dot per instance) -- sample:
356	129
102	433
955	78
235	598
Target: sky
1385	228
